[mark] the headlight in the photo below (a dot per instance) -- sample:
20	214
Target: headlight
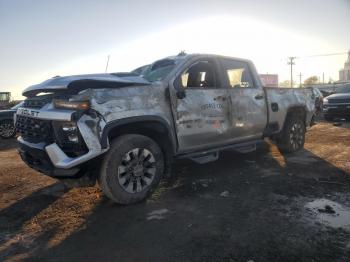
64	104
325	100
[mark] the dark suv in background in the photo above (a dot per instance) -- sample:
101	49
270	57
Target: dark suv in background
7	129
337	106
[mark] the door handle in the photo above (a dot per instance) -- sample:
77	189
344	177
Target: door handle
258	97
223	98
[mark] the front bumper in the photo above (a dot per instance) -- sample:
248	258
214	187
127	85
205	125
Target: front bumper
53	157
36	157
340	110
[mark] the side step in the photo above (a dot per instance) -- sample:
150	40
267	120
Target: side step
245	149
210	155
205	158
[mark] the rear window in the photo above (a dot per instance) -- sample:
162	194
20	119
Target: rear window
238	73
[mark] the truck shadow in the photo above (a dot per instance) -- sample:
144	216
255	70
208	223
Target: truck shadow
14	217
6	144
241	207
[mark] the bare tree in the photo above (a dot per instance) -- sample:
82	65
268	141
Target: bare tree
311	80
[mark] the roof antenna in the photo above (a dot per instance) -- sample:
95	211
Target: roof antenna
182	53
107	63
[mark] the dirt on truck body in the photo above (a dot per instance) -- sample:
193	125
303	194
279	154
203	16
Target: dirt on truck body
125	129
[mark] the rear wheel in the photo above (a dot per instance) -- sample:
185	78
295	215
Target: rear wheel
293	135
7	129
131	169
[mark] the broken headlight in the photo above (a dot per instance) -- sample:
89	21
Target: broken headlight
66	132
76	105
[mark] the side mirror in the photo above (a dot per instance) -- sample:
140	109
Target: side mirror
181	94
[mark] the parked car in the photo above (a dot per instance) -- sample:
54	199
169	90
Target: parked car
318	99
7	128
337	106
124	129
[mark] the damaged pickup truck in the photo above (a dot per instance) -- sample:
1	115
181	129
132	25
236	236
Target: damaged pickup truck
124	129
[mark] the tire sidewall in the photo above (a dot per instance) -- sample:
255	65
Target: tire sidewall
109	169
290	123
283	142
8	122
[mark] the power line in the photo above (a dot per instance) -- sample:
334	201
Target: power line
332	54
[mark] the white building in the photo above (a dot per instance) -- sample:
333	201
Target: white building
344	74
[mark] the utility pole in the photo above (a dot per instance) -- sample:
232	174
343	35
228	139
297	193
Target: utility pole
300	75
291	63
323	77
107	63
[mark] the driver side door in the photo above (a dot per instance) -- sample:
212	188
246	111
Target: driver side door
202	112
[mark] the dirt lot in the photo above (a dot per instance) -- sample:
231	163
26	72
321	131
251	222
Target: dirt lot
262	206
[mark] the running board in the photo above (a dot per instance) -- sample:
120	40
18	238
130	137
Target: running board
205	158
210	155
245	149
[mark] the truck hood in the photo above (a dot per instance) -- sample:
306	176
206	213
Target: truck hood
339	95
81	82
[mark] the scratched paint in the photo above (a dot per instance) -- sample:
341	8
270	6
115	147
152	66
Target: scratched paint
203	118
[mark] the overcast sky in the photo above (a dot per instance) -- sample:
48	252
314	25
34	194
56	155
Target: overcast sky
40	39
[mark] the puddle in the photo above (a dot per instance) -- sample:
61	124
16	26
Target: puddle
330	213
157	214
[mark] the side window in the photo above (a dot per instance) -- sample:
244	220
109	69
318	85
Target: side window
238	73
199	75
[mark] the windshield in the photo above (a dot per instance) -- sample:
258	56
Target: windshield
18	105
156	71
343	89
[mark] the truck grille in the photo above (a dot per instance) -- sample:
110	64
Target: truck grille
34	130
338	100
36	102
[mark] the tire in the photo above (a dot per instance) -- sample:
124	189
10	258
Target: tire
328	118
293	135
132	169
7	129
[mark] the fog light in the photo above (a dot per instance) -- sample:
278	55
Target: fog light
69	128
73	138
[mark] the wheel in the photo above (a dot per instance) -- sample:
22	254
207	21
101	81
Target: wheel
7	129
132	169
328	118
293	135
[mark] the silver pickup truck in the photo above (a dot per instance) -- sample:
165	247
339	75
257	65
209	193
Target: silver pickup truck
124	129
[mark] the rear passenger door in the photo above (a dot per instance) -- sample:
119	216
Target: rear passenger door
248	106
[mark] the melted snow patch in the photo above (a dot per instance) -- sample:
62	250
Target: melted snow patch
157	214
330	213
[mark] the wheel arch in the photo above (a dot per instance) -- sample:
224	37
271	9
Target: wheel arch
151	126
299	111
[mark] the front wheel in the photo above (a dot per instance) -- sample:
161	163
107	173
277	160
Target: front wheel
132	169
293	135
7	129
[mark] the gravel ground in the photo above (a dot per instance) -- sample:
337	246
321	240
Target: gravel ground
261	206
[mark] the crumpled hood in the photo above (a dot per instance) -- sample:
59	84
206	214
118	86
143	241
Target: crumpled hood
67	82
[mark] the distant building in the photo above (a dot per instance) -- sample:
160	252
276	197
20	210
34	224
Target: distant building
5	98
344	74
269	80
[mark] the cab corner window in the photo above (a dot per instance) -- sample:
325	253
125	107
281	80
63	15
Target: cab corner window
199	75
238	74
